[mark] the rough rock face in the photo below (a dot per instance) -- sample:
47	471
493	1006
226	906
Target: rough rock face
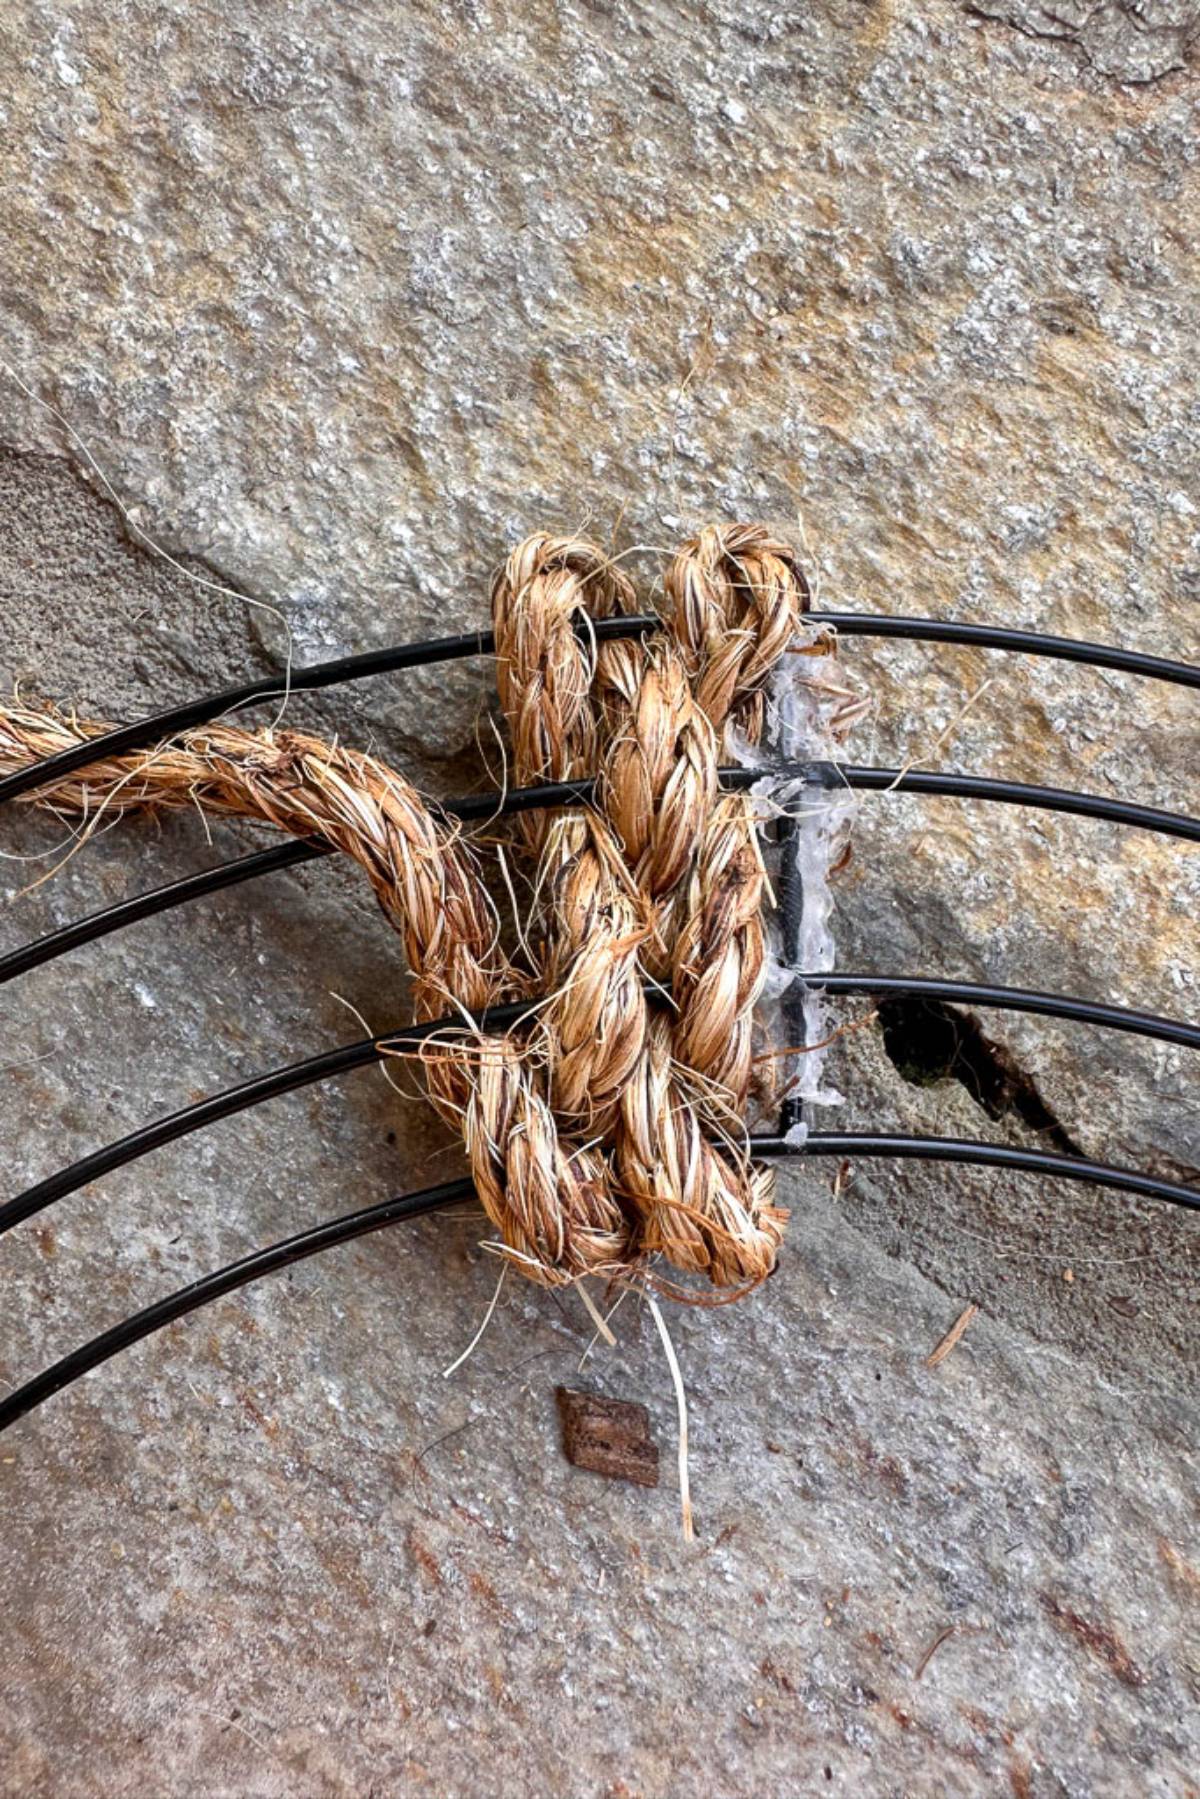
341	302
1133	40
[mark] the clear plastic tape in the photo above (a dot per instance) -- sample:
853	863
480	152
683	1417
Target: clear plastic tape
802	703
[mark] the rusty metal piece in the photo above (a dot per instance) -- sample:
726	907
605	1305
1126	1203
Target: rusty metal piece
608	1436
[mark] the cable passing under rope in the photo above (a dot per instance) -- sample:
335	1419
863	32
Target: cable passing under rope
338	671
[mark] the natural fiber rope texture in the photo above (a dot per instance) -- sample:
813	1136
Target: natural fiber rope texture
608	1130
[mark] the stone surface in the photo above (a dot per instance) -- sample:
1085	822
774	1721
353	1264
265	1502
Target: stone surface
341	304
1128	39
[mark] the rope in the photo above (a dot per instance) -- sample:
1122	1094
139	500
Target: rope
609	1129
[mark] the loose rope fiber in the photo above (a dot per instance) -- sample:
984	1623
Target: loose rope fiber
608	1130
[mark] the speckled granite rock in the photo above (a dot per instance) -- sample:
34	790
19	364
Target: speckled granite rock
342	304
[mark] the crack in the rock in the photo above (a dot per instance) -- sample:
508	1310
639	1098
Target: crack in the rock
1114	37
928	1041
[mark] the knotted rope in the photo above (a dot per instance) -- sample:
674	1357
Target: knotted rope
608	1130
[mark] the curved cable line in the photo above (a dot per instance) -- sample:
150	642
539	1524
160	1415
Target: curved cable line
140	732
473	807
401	1210
331	1063
1011	999
212	1286
158	899
160	725
232	1100
902	1147
1015	793
999	637
834	775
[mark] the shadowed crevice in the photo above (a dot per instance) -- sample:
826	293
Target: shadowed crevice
928	1041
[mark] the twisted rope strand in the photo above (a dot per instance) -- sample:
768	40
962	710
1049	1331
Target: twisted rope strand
735	598
588	921
735	595
427	881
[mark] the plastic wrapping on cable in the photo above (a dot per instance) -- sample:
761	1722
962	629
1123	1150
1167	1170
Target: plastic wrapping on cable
810	705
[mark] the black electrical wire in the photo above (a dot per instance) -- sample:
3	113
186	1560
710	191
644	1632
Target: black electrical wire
161	725
212	1286
831	776
1010	999
904	1148
1015	793
331	1063
278	1081
997	637
524	799
159	899
325	1236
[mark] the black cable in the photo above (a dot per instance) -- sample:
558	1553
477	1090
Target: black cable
141	732
159	899
212	1286
474	807
233	1100
414	1205
331	1063
1010	999
1028	643
1014	793
831	776
985	1155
